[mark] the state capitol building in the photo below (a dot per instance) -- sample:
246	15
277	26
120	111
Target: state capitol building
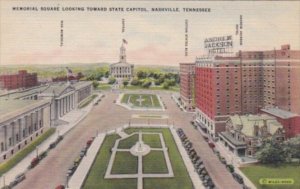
121	69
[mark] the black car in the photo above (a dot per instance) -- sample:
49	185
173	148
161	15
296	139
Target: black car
19	178
238	178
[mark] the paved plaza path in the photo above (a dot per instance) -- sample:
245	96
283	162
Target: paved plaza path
107	116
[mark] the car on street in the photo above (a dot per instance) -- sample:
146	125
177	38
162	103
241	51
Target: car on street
238	178
60	187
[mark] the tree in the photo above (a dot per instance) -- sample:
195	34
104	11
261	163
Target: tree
125	82
141	75
166	85
157	82
271	152
106	75
111	80
95	84
292	148
135	82
146	84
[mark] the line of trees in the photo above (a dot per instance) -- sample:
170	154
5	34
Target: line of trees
274	152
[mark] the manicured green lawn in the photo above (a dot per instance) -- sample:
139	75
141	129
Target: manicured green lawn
147	102
181	179
131	87
125	163
153	140
256	172
6	166
128	142
104	86
154	162
95	178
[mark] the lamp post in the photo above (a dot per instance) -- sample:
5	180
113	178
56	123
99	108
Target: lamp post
3	180
37	151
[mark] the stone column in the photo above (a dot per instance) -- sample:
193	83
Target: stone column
31	123
5	136
20	129
12	124
42	117
23	127
61	108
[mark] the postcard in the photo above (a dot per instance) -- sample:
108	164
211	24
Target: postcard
149	94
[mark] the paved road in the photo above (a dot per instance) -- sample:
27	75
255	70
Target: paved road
221	177
106	116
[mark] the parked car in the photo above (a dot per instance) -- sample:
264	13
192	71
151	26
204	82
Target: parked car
34	162
71	170
52	145
238	178
77	161
205	138
211	144
60	187
59	138
83	151
19	178
43	155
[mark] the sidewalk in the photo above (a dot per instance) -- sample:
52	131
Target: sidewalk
72	119
230	158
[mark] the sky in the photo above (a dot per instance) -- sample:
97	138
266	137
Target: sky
34	37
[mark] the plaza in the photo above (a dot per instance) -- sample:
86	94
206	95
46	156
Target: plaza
147	157
140	101
103	119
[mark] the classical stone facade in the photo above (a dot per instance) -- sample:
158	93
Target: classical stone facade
24	115
20	122
65	97
122	69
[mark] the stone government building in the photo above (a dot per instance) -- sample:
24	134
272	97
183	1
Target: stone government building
24	115
121	69
20	122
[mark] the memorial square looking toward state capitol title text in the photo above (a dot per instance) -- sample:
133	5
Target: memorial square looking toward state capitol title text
222	113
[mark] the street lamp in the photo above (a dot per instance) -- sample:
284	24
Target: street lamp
37	151
67	184
3	180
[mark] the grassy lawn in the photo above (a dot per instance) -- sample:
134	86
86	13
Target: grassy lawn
131	87
181	179
128	142
104	86
256	172
153	140
95	178
154	162
87	101
6	166
125	163
147	102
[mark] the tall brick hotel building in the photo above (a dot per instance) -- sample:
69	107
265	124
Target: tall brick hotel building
20	80
250	82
